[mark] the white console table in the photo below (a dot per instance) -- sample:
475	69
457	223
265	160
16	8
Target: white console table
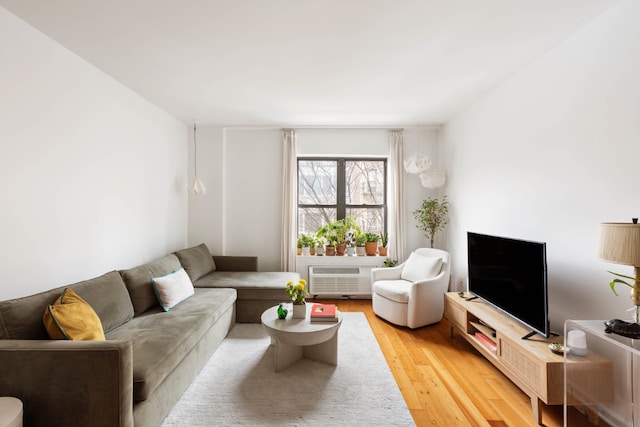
338	276
609	395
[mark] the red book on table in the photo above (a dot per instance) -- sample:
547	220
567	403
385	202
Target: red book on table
325	312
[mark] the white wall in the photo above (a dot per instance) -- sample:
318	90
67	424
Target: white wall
550	154
242	169
93	177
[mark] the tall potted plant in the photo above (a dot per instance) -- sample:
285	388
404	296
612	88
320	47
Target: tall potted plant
432	217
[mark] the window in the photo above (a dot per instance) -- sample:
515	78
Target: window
333	188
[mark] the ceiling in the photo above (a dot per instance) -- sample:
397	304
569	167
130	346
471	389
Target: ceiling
306	62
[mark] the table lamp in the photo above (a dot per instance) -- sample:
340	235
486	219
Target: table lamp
619	243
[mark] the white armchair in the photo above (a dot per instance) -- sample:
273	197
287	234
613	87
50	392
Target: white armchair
412	293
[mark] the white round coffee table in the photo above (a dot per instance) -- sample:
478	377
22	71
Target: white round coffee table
298	338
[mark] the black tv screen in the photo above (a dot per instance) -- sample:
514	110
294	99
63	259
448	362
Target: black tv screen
511	275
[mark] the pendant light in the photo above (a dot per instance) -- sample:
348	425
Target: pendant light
197	187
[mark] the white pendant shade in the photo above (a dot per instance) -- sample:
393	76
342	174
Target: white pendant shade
432	179
417	163
197	187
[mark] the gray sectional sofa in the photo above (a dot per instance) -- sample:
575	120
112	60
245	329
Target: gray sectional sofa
149	357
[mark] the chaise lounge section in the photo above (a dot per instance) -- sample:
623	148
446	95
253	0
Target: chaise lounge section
149	357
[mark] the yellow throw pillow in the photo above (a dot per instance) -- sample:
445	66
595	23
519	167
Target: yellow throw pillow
71	318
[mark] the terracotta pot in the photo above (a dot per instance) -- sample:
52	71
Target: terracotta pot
382	250
299	251
371	248
330	250
312	251
341	249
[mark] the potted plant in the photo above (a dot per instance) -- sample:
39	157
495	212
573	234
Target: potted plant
320	241
340	228
326	232
360	240
300	245
432	217
371	243
297	292
307	242
384	241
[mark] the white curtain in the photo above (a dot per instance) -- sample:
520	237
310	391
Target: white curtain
396	196
289	200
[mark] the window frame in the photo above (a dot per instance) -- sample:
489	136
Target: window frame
341	187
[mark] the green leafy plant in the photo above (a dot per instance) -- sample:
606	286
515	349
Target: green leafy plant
635	285
337	231
297	291
306	240
384	239
371	237
390	262
360	239
432	217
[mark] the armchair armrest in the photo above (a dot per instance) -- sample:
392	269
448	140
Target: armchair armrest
386	273
69	382
235	263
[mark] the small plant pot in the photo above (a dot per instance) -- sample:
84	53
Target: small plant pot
330	250
371	248
306	251
341	249
382	250
351	251
299	311
320	251
360	251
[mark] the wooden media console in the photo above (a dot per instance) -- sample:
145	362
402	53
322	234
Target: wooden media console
528	363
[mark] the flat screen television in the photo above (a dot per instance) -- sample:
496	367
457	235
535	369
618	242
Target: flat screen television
511	275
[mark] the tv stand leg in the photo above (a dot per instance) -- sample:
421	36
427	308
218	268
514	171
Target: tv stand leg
536	409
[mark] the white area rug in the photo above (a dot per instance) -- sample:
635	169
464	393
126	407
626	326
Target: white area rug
238	386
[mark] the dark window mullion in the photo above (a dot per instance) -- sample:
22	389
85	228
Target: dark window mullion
341	190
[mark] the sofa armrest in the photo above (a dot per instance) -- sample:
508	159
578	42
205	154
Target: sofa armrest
235	263
78	383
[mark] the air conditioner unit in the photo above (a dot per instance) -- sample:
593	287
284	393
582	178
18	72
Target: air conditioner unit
340	280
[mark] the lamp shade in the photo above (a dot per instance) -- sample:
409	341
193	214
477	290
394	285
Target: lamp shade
619	243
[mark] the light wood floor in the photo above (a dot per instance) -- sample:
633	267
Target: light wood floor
445	381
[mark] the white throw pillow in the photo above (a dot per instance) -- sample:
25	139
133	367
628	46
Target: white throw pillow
419	268
172	288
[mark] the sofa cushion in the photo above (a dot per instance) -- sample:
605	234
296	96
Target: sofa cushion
197	261
394	290
71	318
172	288
256	283
161	340
138	281
21	318
418	268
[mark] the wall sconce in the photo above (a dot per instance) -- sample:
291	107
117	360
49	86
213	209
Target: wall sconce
197	187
